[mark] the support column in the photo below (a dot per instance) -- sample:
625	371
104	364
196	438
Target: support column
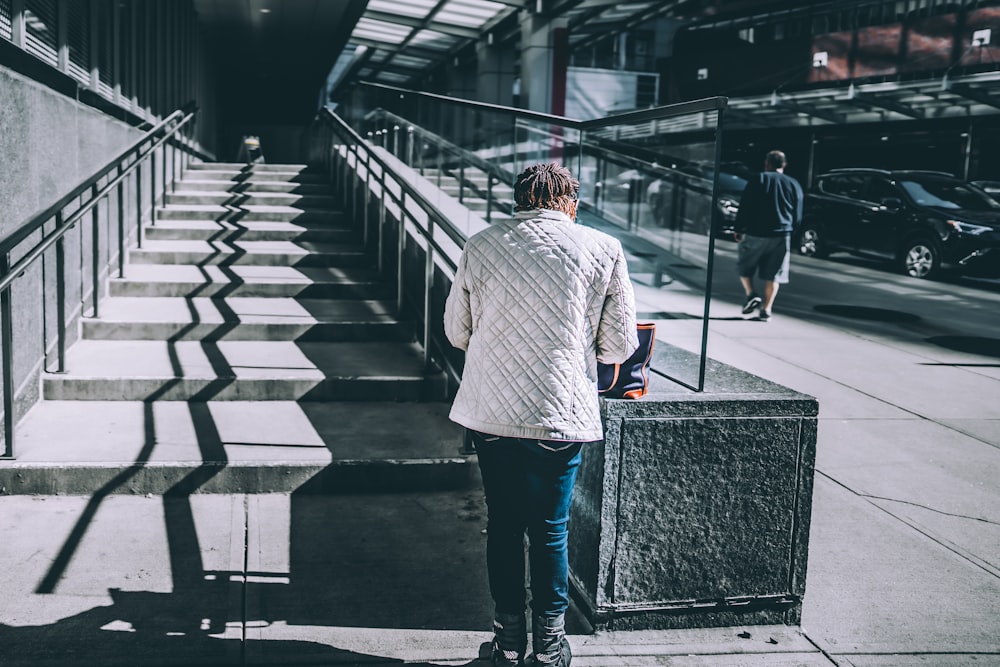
495	74
544	59
461	82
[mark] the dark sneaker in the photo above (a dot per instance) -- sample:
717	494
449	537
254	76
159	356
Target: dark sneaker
510	640
752	304
764	316
549	647
559	655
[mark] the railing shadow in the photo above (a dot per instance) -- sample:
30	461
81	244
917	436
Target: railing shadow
393	561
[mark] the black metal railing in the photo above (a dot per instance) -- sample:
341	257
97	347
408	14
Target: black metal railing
359	172
507	142
423	149
163	153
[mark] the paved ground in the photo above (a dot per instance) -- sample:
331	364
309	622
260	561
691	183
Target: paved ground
904	558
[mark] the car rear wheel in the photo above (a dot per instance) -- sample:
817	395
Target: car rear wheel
811	243
920	259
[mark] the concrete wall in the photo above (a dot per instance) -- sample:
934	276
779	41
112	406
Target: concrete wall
49	144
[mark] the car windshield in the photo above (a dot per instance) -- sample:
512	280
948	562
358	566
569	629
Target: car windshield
947	194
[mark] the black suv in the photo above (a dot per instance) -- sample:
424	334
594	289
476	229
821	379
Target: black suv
920	219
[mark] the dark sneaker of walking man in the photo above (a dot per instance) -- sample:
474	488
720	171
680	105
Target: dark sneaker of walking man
536	302
770	210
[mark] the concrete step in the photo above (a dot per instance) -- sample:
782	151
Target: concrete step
246	318
193	183
236	176
134	447
337	231
106	370
242	166
258	253
247	212
184	197
243	280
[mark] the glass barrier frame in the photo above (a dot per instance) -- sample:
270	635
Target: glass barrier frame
428	132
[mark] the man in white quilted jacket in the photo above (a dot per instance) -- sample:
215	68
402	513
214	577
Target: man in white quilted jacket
537	301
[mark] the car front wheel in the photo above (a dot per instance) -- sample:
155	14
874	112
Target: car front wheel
811	243
920	259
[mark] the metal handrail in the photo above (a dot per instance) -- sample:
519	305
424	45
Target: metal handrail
654	113
652	116
436	220
464	156
164	135
608	151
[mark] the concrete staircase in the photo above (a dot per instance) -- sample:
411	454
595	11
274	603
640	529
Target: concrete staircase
252	339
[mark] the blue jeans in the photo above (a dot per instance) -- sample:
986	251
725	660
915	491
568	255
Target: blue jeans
528	489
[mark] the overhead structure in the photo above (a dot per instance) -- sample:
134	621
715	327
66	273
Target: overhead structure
958	97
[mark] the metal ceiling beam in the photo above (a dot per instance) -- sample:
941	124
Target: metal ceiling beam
585	15
607	31
517	4
747	116
975	94
421	24
870	100
415	51
797	107
411	22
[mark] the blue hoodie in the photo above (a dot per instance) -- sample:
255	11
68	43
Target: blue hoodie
771	205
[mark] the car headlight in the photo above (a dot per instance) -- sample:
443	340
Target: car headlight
968	228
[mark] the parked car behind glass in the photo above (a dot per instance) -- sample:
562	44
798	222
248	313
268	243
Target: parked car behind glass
992	188
675	201
919	219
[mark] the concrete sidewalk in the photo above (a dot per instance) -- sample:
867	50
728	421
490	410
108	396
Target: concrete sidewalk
903	554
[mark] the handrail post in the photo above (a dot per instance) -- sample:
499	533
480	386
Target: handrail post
354	183
60	300
395	140
368	195
121	224
461	179
335	169
163	167
172	149
95	247
409	146
7	341
381	219
346	171
489	196
428	285
152	187
401	234
138	201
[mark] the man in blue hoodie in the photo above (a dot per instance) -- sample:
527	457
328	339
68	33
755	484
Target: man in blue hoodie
770	210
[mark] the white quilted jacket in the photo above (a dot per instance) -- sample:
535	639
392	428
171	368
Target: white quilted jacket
536	302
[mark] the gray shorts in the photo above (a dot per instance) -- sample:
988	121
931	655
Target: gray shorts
767	256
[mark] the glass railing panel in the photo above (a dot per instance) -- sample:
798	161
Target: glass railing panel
463	154
539	141
651	183
648	178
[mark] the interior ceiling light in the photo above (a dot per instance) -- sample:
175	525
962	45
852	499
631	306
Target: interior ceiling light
265	10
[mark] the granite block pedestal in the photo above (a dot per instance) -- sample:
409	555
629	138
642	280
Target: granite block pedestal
694	511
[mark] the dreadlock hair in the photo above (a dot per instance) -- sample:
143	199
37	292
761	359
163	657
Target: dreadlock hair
546	185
